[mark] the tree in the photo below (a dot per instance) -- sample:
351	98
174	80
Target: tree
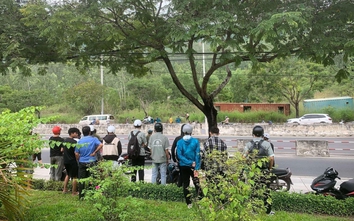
133	34
147	91
86	97
293	79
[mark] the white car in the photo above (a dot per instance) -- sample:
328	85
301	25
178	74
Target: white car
312	119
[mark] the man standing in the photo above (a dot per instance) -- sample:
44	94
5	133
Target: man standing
85	153
139	161
158	145
70	162
264	150
188	154
216	155
56	154
112	147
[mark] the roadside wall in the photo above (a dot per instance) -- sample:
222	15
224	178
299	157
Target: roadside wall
286	130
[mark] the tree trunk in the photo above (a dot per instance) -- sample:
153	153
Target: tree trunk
297	109
211	113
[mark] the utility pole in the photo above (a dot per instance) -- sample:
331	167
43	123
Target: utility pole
102	103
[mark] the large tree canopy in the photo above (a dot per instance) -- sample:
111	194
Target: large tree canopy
132	34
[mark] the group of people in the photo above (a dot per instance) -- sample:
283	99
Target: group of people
78	154
186	152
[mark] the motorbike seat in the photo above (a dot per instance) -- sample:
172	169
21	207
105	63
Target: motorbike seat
279	171
347	186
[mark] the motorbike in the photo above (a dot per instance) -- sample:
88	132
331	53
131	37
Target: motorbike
281	180
325	185
172	174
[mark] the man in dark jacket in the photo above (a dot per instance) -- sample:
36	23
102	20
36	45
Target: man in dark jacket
174	154
112	147
56	154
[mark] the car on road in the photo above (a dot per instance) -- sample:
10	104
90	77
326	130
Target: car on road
311	119
103	119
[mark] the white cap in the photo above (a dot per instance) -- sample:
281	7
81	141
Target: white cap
92	128
111	129
137	123
266	135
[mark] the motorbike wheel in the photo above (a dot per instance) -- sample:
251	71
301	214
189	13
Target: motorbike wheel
282	185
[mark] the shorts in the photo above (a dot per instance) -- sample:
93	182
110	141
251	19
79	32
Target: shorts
72	169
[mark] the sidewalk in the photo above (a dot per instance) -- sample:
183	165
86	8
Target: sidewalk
301	184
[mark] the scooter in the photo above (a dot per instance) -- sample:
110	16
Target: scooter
281	180
325	185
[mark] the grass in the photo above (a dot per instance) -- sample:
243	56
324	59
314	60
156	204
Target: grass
53	205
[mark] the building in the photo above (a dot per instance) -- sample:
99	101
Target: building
245	107
335	102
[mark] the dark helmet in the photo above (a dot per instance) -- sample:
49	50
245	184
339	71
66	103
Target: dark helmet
158	127
258	131
330	172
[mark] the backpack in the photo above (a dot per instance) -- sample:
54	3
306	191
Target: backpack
133	146
261	151
110	148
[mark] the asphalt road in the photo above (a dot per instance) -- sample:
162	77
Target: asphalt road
342	155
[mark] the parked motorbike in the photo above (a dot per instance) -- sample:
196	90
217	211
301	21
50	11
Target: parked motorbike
281	180
172	174
325	185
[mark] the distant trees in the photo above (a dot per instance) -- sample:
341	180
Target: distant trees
135	36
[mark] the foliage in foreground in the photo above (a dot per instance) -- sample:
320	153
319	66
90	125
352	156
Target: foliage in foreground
17	144
66	207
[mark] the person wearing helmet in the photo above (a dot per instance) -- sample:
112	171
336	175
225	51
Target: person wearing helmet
112	147
188	154
140	161
158	145
56	154
264	150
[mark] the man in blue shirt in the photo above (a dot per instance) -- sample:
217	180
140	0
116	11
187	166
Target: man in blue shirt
85	153
188	154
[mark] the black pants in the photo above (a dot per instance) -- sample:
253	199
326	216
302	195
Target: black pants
140	161
186	173
84	173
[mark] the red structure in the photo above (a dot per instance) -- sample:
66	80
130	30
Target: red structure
244	107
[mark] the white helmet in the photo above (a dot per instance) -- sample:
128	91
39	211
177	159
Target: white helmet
266	135
111	129
137	123
187	129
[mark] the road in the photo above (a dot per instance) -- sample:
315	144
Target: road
341	151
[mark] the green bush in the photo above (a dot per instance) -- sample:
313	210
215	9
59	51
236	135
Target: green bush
282	201
312	204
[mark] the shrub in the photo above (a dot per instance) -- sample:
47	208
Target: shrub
17	144
313	204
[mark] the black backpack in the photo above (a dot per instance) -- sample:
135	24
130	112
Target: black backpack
133	146
261	151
